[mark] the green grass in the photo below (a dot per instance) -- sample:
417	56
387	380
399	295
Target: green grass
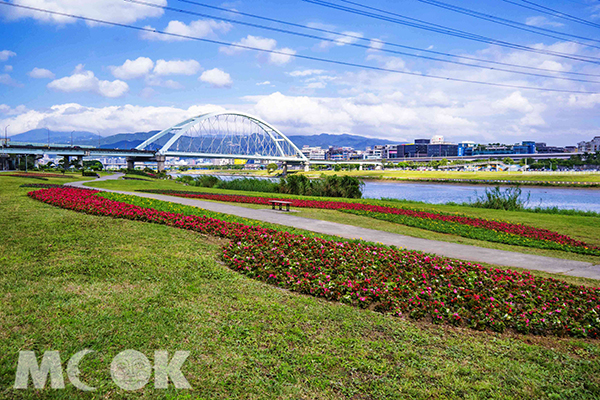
71	281
579	227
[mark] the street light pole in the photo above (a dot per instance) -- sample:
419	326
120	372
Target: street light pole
6	136
72	138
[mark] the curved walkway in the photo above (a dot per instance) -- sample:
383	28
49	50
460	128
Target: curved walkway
453	250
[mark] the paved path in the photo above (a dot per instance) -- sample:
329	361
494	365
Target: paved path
454	250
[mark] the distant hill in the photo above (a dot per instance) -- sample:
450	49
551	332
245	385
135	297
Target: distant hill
41	136
118	141
325	140
131	140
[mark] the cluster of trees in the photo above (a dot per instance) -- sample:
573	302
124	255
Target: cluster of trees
576	160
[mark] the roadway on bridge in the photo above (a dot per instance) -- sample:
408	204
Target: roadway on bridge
453	250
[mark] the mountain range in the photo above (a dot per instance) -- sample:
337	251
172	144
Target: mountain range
131	140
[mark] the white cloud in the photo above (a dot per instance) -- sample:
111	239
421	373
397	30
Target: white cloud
306	72
132	69
6	54
200	28
540	21
106	120
514	102
316	85
176	67
283	57
216	78
112	10
250	41
8	68
375	44
263	83
348	37
6	79
147	93
41	73
584	100
85	81
153	80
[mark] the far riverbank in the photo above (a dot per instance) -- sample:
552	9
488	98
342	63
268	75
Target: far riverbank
581	179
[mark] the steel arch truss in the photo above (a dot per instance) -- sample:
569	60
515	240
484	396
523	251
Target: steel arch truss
226	134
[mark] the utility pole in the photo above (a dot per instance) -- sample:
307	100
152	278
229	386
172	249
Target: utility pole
48	137
72	138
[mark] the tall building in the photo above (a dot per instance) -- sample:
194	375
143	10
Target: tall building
592	146
314	153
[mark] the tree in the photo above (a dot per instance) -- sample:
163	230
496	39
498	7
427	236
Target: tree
272	167
508	161
94	165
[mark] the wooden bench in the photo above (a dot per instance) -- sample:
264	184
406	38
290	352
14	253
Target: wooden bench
280	203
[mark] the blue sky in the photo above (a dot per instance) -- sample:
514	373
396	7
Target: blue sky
64	74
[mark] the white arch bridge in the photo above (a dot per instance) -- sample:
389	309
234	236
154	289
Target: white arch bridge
224	134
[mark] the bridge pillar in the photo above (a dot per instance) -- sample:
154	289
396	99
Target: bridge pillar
160	162
284	168
130	163
306	167
360	167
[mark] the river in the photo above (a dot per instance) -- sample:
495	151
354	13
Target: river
436	193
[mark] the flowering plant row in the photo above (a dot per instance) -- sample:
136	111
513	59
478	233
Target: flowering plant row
405	283
41	185
477	228
38	175
473	232
502	181
30	176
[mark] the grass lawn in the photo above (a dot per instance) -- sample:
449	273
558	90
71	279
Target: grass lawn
70	281
578	227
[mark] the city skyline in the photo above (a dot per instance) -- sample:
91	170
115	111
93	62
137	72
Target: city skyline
74	75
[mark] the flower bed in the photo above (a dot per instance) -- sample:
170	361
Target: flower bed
476	228
381	278
39	175
41	185
500	181
30	176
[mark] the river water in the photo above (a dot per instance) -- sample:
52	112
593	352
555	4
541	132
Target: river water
567	198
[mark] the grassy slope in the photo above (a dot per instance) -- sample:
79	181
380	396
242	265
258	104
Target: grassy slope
578	227
70	281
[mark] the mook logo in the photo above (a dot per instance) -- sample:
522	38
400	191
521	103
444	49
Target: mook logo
130	370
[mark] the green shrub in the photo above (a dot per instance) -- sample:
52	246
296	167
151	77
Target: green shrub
206	181
249	184
509	199
328	186
86	172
